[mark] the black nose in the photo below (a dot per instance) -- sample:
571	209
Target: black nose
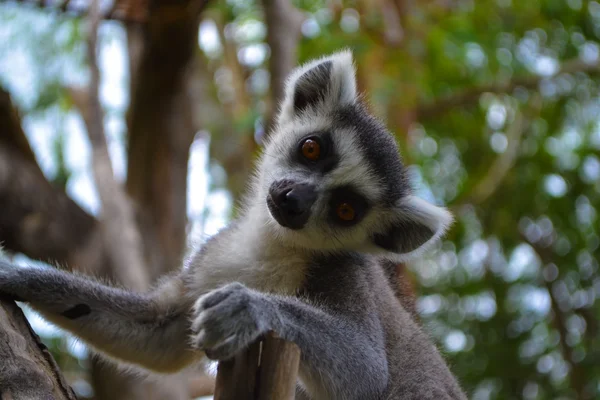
290	203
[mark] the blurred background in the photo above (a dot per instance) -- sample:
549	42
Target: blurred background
114	161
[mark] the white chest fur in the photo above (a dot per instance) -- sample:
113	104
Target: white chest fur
257	263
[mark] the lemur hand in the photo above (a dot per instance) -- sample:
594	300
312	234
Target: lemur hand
229	319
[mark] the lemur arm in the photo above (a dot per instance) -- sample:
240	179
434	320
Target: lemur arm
342	351
150	330
340	355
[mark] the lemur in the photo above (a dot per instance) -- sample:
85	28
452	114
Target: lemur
329	207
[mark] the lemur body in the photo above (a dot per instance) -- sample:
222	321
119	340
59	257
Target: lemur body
330	205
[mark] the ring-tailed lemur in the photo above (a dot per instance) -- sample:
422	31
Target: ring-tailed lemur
329	204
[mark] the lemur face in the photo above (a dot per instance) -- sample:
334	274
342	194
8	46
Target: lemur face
332	176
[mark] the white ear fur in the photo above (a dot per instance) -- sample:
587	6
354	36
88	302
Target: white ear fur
337	84
438	219
420	224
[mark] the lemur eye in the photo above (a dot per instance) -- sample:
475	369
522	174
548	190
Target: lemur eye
345	212
311	149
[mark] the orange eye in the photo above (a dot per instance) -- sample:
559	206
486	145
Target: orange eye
345	212
311	149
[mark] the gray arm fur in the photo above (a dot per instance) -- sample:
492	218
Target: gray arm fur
342	355
129	327
363	346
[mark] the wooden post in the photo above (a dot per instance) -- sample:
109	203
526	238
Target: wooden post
267	370
278	370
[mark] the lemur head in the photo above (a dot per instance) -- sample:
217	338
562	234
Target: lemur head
331	176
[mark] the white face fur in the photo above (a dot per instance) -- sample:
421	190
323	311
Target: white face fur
331	177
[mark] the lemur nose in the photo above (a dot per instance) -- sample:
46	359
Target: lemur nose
290	203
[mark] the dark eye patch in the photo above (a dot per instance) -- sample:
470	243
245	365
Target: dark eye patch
348	195
328	158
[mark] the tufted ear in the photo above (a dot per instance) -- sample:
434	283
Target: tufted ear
417	225
325	83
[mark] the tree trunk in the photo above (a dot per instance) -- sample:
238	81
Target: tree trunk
28	370
161	129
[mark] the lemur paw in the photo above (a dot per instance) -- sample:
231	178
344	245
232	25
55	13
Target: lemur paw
227	320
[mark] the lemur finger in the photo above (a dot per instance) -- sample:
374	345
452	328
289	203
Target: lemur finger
210	300
216	296
198	340
213	318
224	304
224	351
219	321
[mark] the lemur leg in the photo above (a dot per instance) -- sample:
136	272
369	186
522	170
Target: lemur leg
150	330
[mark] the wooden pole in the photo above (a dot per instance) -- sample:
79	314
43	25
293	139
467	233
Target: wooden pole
267	370
236	378
278	371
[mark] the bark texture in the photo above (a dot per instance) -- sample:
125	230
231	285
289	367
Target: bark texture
27	370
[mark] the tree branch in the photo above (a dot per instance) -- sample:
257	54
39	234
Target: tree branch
120	230
42	222
471	96
576	370
395	22
12	135
28	369
502	165
284	24
128	11
498	170
161	127
123	10
241	105
38	219
163	57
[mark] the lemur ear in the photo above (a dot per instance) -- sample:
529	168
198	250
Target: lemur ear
325	83
418	225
